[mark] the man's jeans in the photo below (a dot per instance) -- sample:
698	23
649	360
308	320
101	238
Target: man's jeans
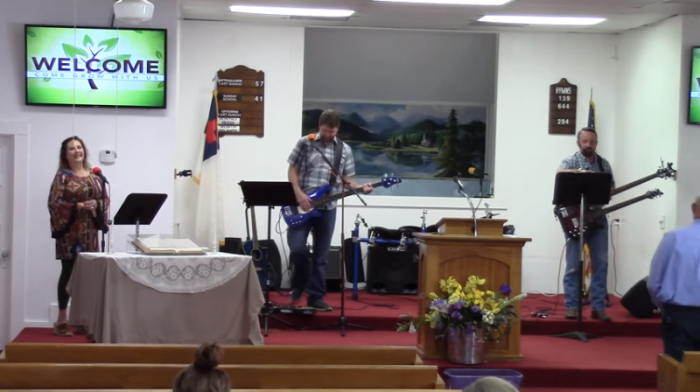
597	240
311	276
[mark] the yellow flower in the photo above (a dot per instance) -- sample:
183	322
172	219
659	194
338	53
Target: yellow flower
433	296
490	293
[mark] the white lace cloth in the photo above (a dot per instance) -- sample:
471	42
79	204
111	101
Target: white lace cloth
181	274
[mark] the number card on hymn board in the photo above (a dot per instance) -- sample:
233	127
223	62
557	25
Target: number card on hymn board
241	101
562	108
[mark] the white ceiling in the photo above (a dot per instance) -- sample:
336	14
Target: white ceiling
622	15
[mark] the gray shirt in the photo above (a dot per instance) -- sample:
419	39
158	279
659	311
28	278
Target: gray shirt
313	169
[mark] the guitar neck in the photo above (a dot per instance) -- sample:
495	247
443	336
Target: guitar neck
633	184
338	196
255	228
618	206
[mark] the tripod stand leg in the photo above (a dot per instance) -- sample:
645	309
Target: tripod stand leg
579	334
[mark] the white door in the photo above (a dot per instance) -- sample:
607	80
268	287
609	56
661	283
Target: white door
6	171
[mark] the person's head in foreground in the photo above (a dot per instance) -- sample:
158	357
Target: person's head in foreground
490	384
696	208
202	375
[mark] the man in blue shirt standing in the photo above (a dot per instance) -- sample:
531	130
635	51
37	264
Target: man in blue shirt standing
674	286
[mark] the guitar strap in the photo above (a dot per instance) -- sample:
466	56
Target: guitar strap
337	155
599	160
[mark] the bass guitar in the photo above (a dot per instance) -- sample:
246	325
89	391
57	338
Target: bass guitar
572	225
295	216
569	215
252	248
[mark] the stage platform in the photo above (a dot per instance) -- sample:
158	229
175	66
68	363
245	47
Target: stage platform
623	360
383	312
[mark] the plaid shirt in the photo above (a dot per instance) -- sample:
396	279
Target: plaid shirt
313	169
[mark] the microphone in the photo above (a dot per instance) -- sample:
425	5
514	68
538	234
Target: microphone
98	172
458	182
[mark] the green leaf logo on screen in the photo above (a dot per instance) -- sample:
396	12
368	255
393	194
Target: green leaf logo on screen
94	61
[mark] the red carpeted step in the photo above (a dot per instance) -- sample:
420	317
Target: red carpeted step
383	312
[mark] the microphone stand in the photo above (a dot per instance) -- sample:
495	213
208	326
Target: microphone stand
343	321
471	205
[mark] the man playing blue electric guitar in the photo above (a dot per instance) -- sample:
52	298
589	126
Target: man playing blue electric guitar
307	172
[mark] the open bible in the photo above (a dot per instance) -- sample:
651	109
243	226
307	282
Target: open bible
155	245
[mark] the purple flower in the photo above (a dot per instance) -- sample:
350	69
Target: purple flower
458	306
440	303
504	289
475	309
456	315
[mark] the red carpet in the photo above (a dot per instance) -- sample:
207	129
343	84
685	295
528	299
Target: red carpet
383	312
624	359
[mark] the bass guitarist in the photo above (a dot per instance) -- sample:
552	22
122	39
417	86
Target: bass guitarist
587	160
307	172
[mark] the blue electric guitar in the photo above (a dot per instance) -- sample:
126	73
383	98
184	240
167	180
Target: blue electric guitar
294	216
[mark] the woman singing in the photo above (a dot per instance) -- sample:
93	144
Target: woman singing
78	205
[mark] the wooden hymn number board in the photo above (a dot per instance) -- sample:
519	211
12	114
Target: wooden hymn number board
562	108
241	101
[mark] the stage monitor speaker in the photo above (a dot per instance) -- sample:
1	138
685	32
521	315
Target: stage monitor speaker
333	270
392	271
637	300
235	246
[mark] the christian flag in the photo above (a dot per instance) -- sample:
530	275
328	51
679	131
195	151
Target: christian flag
209	218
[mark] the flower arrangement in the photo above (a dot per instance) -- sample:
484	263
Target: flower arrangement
469	307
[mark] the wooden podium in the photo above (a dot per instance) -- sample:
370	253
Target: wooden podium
455	251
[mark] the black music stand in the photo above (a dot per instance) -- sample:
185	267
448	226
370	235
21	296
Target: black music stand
583	189
270	195
139	209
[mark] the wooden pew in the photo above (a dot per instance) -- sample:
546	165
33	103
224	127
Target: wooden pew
233	355
673	376
152	376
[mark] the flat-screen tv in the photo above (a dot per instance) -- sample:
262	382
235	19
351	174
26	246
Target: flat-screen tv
93	66
694	99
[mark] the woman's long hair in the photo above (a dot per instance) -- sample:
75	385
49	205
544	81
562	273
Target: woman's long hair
202	375
63	156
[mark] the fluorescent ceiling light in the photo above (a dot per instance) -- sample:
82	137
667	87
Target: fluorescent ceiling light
452	2
542	20
290	11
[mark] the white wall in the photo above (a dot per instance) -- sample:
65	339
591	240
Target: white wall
208	47
648	99
526	156
688	135
144	140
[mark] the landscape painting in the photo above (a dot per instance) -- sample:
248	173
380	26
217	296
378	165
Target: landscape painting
425	145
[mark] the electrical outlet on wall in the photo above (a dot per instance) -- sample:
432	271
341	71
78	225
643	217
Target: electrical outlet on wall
662	222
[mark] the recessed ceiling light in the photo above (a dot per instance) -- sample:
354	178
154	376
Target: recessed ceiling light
291	11
452	2
542	20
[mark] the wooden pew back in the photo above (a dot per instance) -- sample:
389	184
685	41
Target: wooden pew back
233	354
673	376
150	376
